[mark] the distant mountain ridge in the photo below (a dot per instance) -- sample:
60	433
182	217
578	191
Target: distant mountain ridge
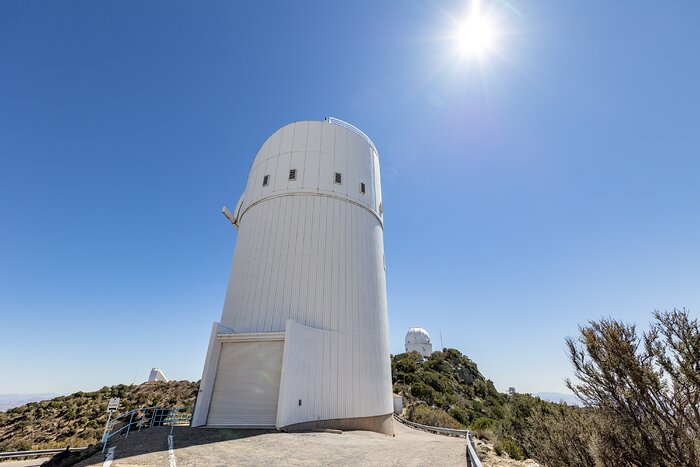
9	401
558	397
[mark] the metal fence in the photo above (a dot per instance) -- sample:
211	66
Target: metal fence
36	453
472	458
146	417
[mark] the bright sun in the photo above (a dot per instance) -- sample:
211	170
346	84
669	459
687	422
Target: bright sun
476	35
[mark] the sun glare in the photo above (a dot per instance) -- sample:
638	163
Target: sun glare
476	35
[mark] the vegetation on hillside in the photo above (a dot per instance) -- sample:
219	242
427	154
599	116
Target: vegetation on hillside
447	390
641	391
79	419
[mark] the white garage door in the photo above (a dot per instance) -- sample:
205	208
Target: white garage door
247	384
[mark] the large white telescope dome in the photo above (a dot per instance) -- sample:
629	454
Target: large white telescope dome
303	338
418	339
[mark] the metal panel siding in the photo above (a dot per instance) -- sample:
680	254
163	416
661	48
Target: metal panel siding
287	139
345	386
300	135
328	138
281	180
314	136
309	259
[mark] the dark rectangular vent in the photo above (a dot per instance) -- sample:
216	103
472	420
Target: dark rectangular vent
338	178
266	180
362	188
293	174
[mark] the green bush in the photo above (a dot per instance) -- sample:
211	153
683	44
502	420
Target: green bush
423	391
460	415
432	417
510	447
406	365
481	423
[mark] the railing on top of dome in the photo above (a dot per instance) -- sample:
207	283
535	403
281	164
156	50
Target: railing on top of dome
146	417
472	458
344	124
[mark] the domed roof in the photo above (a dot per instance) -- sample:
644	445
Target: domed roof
417	336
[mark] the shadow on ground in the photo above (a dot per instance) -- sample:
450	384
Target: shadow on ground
219	446
155	440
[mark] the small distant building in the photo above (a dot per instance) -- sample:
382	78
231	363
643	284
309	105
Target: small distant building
418	339
511	390
157	375
398	403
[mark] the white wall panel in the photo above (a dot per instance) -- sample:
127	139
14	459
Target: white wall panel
328	138
331	381
287	139
300	135
281	176
310	171
325	174
313	141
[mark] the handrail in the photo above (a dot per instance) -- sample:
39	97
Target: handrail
354	129
160	416
435	429
472	458
36	452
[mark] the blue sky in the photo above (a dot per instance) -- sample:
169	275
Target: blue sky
551	183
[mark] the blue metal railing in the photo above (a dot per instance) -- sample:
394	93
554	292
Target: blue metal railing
146	417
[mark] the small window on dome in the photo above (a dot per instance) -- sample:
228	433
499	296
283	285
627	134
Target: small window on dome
266	180
362	188
338	178
293	174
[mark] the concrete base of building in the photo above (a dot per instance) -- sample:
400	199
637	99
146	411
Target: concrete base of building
378	423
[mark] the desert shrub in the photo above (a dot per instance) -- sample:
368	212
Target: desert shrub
432	416
423	391
406	365
645	389
481	423
510	447
462	416
436	381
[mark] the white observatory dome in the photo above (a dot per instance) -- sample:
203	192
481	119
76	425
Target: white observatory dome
418	339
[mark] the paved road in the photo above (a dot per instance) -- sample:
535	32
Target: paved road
222	447
29	463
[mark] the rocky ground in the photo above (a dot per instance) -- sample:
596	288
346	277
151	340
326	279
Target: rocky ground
489	458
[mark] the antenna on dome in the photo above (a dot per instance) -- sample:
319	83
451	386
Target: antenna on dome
441	344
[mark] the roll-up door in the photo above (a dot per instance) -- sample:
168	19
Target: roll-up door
247	384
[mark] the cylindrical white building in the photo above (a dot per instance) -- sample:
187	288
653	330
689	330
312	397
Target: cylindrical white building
303	337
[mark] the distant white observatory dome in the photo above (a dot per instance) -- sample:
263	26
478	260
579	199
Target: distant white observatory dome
157	375
418	339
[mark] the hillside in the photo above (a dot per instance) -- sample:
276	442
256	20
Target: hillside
448	390
79	419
